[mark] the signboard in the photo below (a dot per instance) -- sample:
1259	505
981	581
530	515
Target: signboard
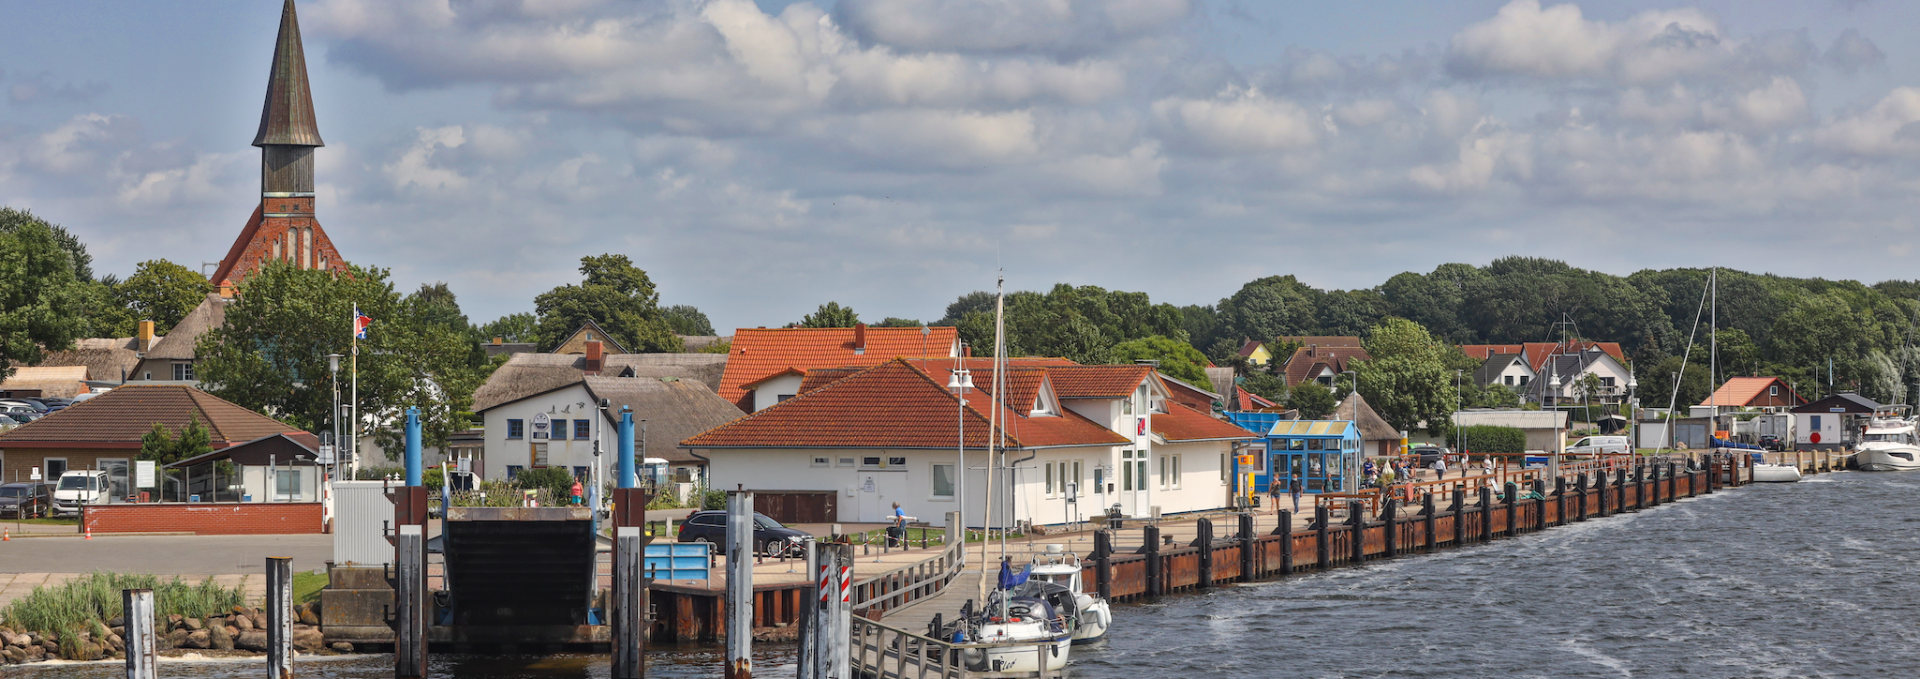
540	423
676	560
326	453
143	474
539	455
35	476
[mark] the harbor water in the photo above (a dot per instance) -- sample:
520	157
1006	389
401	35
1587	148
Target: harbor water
1812	579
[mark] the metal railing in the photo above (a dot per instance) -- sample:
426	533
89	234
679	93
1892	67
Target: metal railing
892	589
887	652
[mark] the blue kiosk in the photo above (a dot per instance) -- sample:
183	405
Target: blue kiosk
1315	451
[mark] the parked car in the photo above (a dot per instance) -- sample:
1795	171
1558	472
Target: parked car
1429	454
77	487
30	404
21	414
1773	443
769	537
25	500
1600	445
54	404
14	418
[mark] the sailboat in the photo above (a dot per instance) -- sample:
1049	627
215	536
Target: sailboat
1055	576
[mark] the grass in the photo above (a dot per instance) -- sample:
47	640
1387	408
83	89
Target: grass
82	602
48	521
307	586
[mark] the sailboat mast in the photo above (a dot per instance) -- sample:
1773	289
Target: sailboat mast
1713	347
994	425
1000	385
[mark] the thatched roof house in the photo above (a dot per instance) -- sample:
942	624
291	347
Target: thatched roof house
1381	438
528	374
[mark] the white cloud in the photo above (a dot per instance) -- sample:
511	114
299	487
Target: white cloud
1238	121
1558	42
1034	26
1885	129
415	169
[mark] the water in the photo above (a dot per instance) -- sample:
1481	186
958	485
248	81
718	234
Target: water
1794	580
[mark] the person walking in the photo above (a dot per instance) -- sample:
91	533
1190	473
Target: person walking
579	492
898	532
1297	489
1440	467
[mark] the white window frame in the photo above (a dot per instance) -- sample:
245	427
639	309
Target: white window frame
933	475
1079	466
844	462
821	461
1048	488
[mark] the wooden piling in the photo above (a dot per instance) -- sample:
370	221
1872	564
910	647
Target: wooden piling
1389	514
1248	568
409	599
1459	516
1513	505
1582	516
629	603
1358	510
1560	500
1620	487
1601	494
1323	550
1204	529
1286	544
279	617
136	605
1426	507
1103	562
1486	514
1156	569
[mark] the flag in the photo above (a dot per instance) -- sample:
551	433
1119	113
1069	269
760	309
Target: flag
360	323
1008	580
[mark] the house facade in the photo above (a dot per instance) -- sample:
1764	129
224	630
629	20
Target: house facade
1768	394
1077	440
1565	378
560	426
1507	370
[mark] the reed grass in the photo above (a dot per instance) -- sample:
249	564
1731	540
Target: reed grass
83	602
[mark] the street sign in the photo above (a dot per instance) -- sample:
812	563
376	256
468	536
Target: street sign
143	474
326	453
540	422
676	561
36	473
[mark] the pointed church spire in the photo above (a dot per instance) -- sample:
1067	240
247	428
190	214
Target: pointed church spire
287	119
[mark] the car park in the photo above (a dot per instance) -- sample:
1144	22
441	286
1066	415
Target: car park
25	500
769	536
29	404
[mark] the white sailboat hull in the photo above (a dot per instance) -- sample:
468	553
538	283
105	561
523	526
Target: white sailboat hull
1096	617
1775	473
1895	458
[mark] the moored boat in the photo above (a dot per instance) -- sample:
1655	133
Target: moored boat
1889	443
1091	615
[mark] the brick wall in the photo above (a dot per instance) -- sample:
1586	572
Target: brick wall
206	518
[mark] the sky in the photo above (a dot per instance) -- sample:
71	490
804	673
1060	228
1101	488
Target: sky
761	158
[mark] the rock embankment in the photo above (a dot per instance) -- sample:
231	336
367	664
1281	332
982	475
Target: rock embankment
240	630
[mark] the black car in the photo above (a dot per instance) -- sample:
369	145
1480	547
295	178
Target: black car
1429	455
25	500
769	537
1773	443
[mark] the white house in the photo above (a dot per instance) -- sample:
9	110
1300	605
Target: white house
1563	378
1076	440
1508	370
558	424
766	365
276	468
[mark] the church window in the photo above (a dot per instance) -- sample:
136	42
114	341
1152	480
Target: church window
306	248
276	248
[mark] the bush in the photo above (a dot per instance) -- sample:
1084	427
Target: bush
1483	439
557	481
713	499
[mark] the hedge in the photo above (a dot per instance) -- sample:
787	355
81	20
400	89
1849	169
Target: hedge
1486	438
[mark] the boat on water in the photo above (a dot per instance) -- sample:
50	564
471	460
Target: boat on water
1090	616
1889	444
1765	472
1031	634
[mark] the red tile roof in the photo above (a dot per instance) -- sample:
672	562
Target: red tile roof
1751	392
895	405
1098	381
1303	364
1181	423
760	352
118	418
1249	401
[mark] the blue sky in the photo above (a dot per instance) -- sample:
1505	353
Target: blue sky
759	159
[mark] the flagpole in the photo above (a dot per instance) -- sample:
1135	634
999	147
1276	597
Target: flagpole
353	405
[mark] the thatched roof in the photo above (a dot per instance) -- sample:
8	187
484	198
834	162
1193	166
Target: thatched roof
180	342
697	343
1373	427
675	410
61	381
528	374
104	358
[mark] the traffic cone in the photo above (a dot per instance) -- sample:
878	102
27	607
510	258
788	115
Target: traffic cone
89	531
6	535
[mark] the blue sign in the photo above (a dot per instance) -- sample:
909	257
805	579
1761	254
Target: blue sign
677	561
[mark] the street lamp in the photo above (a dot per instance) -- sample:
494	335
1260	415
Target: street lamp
333	369
960	382
1351	483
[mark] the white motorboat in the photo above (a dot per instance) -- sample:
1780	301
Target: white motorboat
1092	616
1889	444
1035	637
1775	473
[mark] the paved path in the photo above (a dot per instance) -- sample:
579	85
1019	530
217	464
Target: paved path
236	560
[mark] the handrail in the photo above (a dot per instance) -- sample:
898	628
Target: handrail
874	653
949	558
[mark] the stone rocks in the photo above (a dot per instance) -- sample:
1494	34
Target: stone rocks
251	640
194	624
242	622
220	638
341	647
309	615
176	639
308	638
199	638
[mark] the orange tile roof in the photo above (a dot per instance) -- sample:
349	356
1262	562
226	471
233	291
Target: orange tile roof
1300	366
1537	353
760	352
1181	423
1751	392
1098	381
118	418
894	405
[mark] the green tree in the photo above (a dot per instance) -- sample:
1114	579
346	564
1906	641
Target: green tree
688	320
43	298
830	315
1270	307
1312	399
1267	386
160	445
976	301
894	322
270	355
163	292
1406	378
1078	323
12	220
615	294
520	327
1178	360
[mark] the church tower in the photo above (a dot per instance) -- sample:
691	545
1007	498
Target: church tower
283	227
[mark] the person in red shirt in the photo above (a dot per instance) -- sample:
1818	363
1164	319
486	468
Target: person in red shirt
578	491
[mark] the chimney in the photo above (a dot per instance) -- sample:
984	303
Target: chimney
143	341
226	290
859	338
966	351
496	341
593	357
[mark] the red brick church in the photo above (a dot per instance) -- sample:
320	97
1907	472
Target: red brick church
283	227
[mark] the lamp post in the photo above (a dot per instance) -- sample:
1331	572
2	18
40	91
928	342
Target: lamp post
333	369
960	382
1351	467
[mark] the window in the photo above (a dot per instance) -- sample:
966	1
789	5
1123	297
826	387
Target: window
782	398
1164	477
1126	406
1509	380
896	462
559	430
943	482
513	471
1524	379
580	473
1223	467
286	483
846	462
1816	427
183	371
1140	464
1049	467
582	429
1176	472
1075	489
1126	470
55	466
1773	390
1606	382
822	462
870	461
516	429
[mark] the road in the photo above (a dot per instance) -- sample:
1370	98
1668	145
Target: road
163	555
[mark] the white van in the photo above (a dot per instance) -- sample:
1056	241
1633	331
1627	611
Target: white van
79	486
1600	445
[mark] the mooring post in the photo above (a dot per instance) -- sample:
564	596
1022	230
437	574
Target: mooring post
1358	510
1323	552
835	624
279	617
1286	544
1621	488
1247	563
1673	482
1459	516
1203	529
1486	514
1387	516
409	602
1539	504
137	607
1560	501
1512	498
739	584
1426	507
1600	494
629	603
1155	585
1103	562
